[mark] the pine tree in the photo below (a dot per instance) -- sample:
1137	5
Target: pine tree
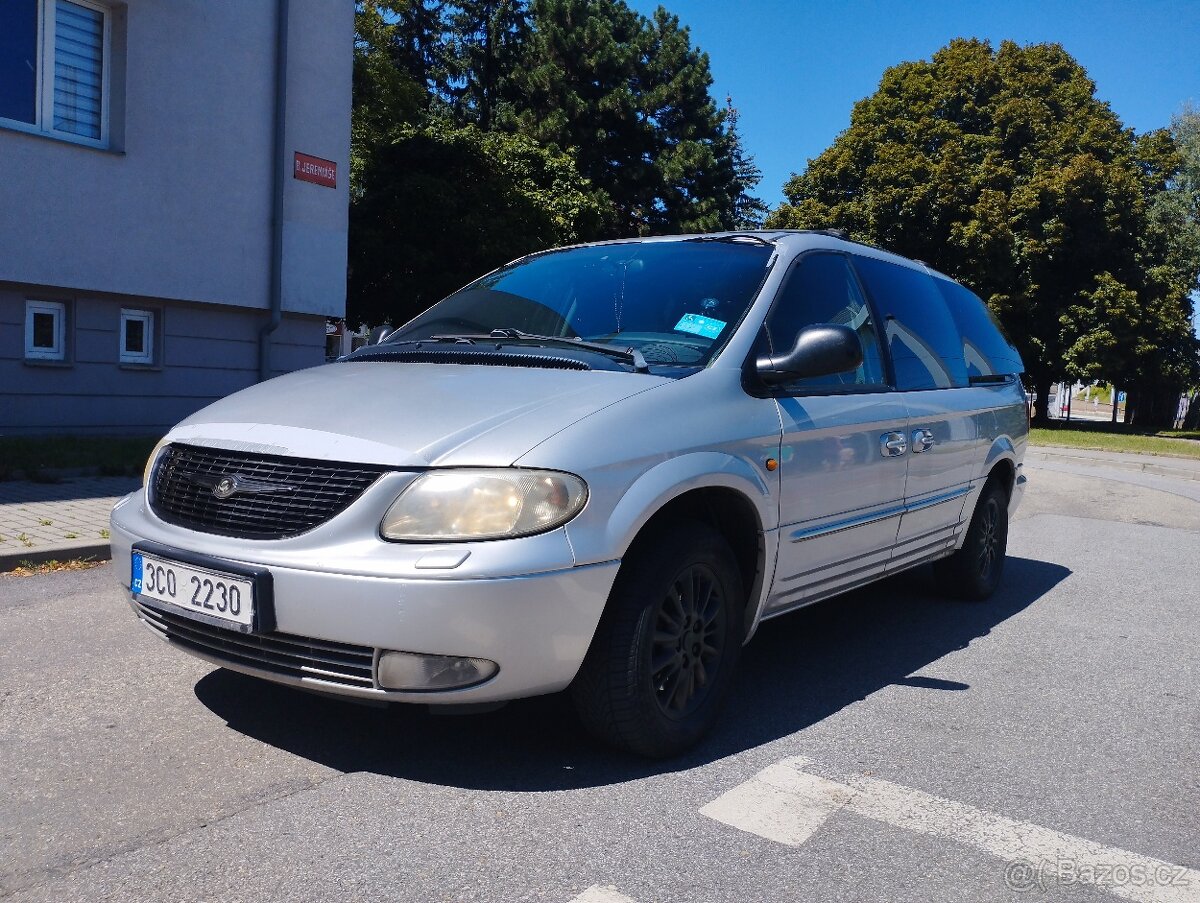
486	37
629	97
748	211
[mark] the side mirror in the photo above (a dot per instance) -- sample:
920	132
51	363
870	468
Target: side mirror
819	351
378	334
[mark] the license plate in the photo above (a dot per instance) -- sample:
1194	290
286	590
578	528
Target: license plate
200	593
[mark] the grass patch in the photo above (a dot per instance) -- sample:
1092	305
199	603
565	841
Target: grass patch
111	456
1119	438
29	569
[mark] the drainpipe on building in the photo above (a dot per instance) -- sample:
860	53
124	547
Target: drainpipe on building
279	174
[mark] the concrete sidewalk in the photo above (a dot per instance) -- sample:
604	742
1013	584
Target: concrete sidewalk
57	521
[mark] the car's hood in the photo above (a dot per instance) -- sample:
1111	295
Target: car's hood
409	414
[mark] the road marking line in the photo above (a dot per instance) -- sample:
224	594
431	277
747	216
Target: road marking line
602	894
789	801
774	806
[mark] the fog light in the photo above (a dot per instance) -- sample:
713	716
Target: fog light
410	671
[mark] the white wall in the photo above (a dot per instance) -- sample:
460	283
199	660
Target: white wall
181	207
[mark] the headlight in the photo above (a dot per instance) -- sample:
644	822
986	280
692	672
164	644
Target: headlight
496	503
150	462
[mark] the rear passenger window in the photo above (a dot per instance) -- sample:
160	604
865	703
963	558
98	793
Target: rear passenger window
985	349
926	348
822	289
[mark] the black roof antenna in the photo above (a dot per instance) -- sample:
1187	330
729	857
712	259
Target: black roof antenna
836	233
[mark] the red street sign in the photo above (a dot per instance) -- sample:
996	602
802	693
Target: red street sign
316	170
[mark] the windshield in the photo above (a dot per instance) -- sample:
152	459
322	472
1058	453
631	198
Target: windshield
676	301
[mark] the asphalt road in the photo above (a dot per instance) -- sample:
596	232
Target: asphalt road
1061	716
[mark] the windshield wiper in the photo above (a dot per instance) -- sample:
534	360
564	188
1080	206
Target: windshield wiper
511	336
628	354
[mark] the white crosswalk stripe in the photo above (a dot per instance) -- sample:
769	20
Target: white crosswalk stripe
788	802
602	894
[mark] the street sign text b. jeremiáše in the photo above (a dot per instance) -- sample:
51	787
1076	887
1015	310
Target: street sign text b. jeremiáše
315	170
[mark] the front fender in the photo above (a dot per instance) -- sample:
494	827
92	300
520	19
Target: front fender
669	480
608	533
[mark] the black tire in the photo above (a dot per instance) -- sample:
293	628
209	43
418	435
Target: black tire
974	571
662	660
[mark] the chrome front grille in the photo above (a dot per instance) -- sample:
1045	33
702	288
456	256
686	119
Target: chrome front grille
272	497
279	653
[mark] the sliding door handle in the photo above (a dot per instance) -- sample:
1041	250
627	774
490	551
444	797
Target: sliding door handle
892	445
922	440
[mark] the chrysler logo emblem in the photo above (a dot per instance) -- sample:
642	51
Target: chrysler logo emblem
225	487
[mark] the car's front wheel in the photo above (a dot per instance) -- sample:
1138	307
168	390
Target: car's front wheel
662	659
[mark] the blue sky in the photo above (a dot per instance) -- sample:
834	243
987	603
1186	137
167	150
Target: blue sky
794	69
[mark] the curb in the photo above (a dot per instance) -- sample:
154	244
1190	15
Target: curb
54	475
11	560
1092	459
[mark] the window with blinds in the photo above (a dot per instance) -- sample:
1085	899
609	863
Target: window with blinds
54	57
78	69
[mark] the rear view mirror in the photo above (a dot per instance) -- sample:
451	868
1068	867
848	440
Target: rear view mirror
819	351
378	334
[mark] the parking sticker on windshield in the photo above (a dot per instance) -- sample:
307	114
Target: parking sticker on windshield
698	325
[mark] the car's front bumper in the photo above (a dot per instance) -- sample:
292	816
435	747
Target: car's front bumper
536	624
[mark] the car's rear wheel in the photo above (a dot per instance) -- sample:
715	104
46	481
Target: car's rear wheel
662	659
974	571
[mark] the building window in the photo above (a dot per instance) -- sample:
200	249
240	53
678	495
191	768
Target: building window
54	68
45	330
137	337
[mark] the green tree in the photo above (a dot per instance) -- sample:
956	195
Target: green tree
1173	231
1001	168
748	211
442	205
402	68
387	93
486	40
628	96
484	129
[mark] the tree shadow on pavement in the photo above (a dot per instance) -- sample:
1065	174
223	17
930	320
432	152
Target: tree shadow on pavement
68	489
798	670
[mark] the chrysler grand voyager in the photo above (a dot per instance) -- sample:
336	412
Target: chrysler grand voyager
597	468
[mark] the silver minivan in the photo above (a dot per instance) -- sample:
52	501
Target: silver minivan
595	469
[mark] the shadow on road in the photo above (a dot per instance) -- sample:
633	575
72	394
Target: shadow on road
798	670
68	489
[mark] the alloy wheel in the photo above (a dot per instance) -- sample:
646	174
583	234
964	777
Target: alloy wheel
989	538
688	641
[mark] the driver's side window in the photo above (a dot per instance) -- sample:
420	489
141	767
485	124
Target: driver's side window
822	289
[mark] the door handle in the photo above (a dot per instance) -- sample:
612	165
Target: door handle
892	445
922	440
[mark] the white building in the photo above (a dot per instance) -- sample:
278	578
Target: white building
173	203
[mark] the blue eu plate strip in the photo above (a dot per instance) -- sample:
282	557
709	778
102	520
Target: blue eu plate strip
135	581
